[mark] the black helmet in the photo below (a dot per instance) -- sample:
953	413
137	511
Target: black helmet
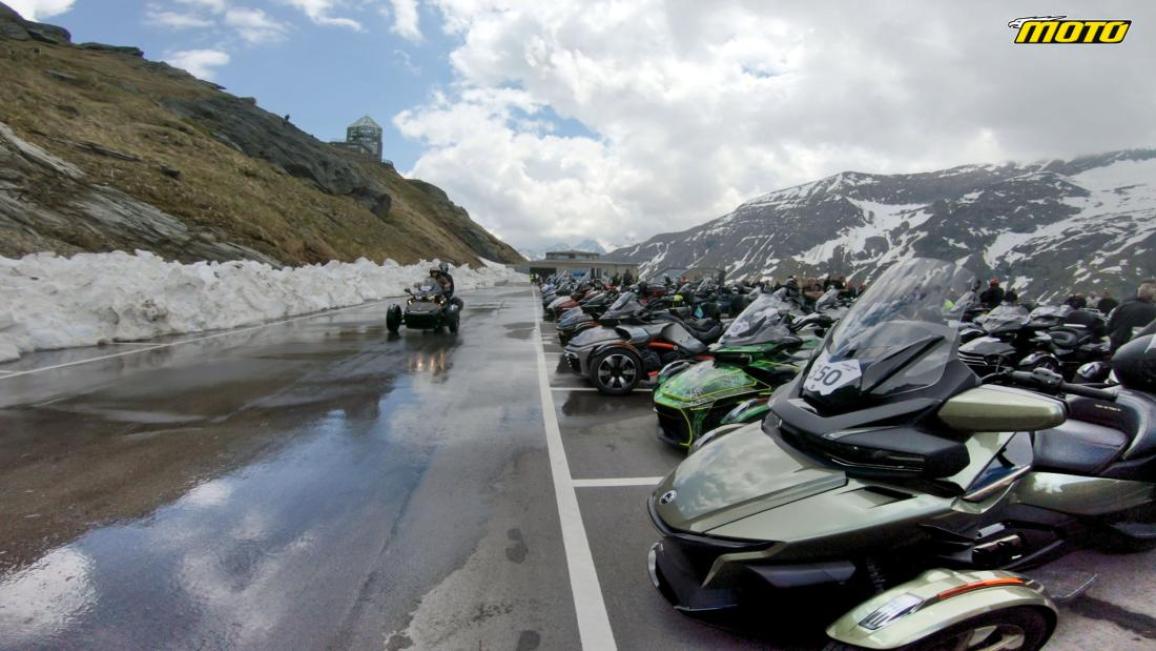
1092	373
1135	364
444	268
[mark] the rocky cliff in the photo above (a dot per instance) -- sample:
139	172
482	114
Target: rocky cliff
1050	227
102	149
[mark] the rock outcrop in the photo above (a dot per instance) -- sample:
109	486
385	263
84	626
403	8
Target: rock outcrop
102	149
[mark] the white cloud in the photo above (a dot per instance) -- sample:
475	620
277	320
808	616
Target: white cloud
691	108
215	6
40	9
320	12
176	19
406	20
406	61
254	25
199	63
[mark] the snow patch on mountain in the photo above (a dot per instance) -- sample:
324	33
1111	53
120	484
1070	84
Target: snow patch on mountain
1051	226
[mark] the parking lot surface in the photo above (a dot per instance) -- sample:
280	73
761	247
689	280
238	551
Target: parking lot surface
320	484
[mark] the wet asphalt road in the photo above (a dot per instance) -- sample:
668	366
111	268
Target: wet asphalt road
310	485
319	484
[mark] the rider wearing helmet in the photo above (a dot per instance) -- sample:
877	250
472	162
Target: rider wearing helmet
441	275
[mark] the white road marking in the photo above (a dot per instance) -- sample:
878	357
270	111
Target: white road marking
224	333
584	389
615	482
589	607
132	343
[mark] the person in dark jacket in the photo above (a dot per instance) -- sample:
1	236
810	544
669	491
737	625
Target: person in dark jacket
1133	313
993	295
1076	302
1106	304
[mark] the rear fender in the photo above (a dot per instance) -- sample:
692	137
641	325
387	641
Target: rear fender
932	602
611	345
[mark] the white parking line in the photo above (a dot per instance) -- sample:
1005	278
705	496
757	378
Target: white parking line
143	348
589	607
586	389
615	482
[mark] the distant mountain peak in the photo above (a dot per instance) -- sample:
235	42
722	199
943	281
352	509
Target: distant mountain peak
1049	227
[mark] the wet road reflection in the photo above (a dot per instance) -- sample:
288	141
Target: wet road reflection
233	496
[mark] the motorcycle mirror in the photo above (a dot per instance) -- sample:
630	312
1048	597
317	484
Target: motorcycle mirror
993	408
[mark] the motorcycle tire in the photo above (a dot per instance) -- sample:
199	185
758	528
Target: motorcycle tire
393	319
1031	623
616	371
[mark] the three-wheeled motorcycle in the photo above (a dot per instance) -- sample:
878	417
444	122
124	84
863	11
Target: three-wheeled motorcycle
891	480
427	308
751	359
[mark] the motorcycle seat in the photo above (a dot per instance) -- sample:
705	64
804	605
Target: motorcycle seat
1065	338
705	330
1077	447
1141	421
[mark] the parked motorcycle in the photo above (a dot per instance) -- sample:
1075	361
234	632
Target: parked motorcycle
585	316
889	475
751	359
618	359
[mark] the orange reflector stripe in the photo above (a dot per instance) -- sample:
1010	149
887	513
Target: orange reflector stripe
978	585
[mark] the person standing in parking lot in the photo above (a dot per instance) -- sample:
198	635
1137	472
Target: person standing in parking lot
1133	313
993	295
1106	303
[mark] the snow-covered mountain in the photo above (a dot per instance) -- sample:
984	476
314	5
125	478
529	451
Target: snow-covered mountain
1048	227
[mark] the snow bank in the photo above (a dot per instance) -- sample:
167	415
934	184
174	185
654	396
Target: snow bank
49	302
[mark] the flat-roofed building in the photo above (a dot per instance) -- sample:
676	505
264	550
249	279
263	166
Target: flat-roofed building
577	263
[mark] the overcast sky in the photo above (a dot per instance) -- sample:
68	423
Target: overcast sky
560	120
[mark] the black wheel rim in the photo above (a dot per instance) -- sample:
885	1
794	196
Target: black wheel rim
617	371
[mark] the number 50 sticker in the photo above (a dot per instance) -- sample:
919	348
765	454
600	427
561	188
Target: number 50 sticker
826	376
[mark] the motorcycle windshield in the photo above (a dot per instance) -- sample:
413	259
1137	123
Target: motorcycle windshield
1056	312
1005	316
898	337
764	320
828	300
572	317
429	288
626	304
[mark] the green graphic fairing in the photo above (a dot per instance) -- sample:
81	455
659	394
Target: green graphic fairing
703	384
699	399
763	348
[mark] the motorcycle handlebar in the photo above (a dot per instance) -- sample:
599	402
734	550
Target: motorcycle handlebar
1049	381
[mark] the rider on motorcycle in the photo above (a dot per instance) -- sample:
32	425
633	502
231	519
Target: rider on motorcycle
441	275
